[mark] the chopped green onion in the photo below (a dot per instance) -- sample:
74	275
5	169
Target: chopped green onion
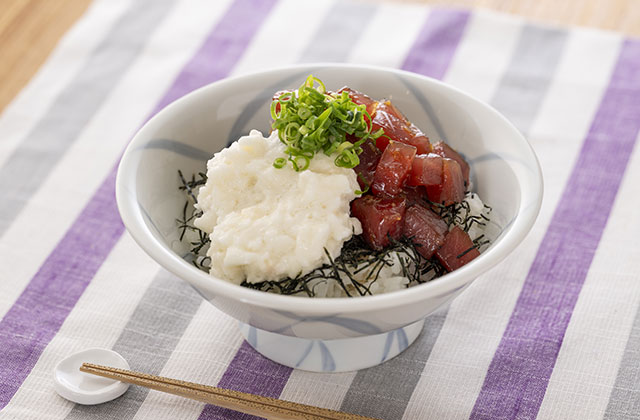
279	163
311	120
295	161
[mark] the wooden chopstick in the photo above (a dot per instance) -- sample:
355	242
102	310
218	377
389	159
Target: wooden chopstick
256	405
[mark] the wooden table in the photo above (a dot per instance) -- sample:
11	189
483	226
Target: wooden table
29	29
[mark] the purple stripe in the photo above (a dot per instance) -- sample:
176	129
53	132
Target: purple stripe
249	372
39	312
433	50
222	50
519	372
43	306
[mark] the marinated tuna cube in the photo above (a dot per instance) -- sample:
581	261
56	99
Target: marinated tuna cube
443	149
393	169
397	128
381	218
360	99
415	195
426	170
425	228
369	159
452	188
277	95
457	250
420	141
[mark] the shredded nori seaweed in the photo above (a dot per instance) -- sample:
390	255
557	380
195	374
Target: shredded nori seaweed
354	258
197	253
459	214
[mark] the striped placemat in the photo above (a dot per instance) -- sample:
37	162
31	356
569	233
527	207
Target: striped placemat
553	332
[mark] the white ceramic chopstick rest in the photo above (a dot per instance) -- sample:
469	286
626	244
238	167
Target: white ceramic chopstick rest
84	388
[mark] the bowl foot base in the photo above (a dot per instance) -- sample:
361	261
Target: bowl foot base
339	355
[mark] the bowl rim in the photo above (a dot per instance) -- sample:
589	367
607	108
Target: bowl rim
132	217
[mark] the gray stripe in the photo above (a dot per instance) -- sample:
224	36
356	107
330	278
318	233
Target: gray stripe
44	146
519	96
383	391
338	32
529	74
624	401
147	341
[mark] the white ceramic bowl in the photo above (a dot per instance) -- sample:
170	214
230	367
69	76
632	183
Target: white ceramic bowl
324	334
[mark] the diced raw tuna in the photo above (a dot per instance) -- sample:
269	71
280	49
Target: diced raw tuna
415	195
457	250
360	99
277	96
397	128
426	170
425	228
452	188
420	141
279	93
443	149
393	169
381	218
369	159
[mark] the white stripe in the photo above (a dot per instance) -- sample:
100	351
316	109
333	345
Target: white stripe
595	340
96	321
83	168
203	354
68	57
477	319
284	35
384	41
325	390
